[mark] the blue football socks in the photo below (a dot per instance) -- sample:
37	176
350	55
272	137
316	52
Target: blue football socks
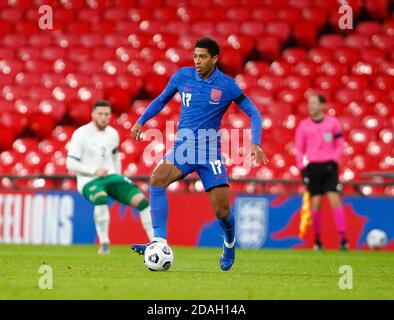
159	211
228	228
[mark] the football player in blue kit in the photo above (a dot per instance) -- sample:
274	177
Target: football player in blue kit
206	94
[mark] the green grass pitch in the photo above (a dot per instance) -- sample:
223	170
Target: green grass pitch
79	273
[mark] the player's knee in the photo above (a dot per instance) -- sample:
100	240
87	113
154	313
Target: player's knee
157	181
222	212
100	198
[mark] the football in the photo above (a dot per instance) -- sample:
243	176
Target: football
158	257
376	239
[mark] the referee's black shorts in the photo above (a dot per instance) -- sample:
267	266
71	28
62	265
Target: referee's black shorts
321	177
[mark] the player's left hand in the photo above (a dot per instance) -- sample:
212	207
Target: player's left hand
136	132
259	154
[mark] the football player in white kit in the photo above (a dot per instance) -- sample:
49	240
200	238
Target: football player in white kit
93	156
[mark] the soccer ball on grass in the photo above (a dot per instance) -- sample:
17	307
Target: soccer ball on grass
158	257
376	239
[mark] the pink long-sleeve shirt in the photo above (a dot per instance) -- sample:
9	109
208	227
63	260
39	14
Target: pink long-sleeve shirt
318	141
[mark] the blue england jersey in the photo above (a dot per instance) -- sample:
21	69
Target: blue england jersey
204	101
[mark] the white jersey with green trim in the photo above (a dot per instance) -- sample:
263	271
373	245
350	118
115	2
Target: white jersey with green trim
92	149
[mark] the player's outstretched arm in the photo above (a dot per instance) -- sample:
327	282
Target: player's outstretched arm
247	106
155	107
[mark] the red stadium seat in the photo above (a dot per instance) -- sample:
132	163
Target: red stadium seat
12	93
320	55
347	96
279	29
65	40
138	14
10	67
252	28
373	123
24	145
14	41
14	121
239	42
63	93
229	27
27	27
73	4
384	83
91	67
165	14
354	82
305	33
280	68
347	56
256	68
27	79
13	15
105	27
238	14
63	133
7	138
314	14
246	81
64	15
388	27
150	55
270	82
291	95
335	109
51	107
289	14
179	56
384	42
5	28
260	96
191	15
115	14
51	80
41	125
373	95
386	136
332	68
330	83
90	40
294	55
37	93
356	41
151	26
306	68
40	40
369	28
359	138
296	82
373	55
231	61
331	41
268	47
78	27
377	8
357	109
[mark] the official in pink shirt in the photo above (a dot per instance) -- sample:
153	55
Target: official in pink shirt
319	146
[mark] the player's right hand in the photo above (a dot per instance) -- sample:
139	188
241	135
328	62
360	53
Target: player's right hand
136	132
101	172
